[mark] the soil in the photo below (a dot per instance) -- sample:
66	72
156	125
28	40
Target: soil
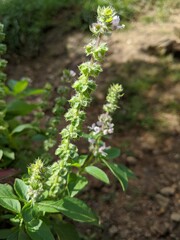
150	209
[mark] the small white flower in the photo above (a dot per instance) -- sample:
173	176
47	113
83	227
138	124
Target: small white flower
72	73
105	132
99	123
111	130
91	140
92	127
97	129
116	21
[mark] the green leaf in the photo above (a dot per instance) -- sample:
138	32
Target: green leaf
48	206
113	153
20	86
121	173
21	189
128	172
8	199
8	153
22	235
76	184
38	230
66	231
14	234
11	83
4	233
70	207
79	161
19	107
29	212
1	154
97	173
77	210
23	127
31	91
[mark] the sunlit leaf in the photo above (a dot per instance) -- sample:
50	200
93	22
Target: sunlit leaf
76	184
97	173
121	173
38	230
22	127
20	86
21	189
8	199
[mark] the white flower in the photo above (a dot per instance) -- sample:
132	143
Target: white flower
72	73
116	21
97	129
102	150
91	140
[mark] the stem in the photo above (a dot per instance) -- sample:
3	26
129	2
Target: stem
90	157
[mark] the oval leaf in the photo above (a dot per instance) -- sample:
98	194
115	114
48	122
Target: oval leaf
77	210
113	153
70	207
66	231
14	235
121	173
1	154
76	184
8	199
22	127
20	86
19	107
22	235
8	153
97	173
79	161
48	206
21	189
4	233
38	230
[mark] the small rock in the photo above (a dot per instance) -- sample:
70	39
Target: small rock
168	191
113	230
175	217
163	201
177	156
161	229
148	142
156	151
131	160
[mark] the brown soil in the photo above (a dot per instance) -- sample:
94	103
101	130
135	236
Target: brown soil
150	209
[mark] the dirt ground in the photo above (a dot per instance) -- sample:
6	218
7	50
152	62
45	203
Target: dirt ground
150	209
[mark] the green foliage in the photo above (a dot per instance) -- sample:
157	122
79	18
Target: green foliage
8	199
97	173
24	21
15	130
66	231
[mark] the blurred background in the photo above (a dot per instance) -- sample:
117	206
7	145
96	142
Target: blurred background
44	37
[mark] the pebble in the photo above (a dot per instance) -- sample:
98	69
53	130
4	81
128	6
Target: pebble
113	230
163	201
175	217
177	156
168	191
160	228
131	160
